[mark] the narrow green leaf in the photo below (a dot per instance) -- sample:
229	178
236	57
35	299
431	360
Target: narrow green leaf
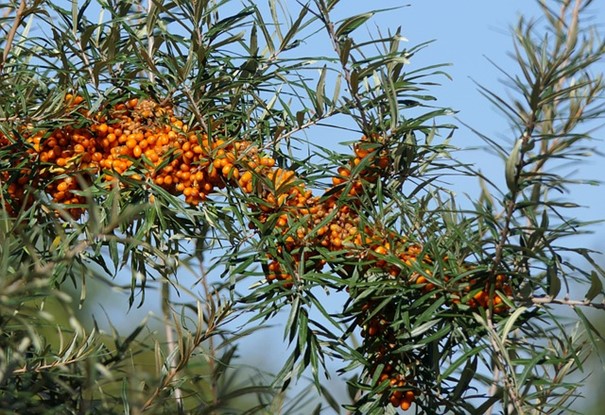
345	50
321	91
468	374
336	91
352	23
596	286
276	22
510	322
330	399
125	396
303	328
253	47
489	402
470	354
285	43
300	118
354	82
512	163
554	282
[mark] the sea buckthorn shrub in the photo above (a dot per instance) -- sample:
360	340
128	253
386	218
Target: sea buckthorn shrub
137	149
145	142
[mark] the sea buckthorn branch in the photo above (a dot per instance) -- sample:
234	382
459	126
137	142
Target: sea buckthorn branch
145	142
475	292
567	302
19	14
342	46
549	113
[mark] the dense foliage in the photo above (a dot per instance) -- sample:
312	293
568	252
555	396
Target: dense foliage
170	139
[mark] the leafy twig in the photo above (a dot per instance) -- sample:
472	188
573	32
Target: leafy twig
12	32
568	302
348	75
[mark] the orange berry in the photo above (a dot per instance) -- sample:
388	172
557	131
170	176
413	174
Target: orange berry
361	152
267	161
381	250
102	128
136	151
344	172
372	330
246	177
62	187
337	180
227	169
383	162
132	103
152	155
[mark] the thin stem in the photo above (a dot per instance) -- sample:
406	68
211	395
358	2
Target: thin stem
494	387
150	41
185	355
211	350
501	362
567	302
12	32
170	341
347	71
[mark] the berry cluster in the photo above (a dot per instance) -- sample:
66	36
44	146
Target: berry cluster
138	139
382	346
144	142
306	222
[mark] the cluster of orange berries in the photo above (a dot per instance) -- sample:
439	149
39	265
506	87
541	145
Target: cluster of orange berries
398	396
480	292
140	140
306	222
381	344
